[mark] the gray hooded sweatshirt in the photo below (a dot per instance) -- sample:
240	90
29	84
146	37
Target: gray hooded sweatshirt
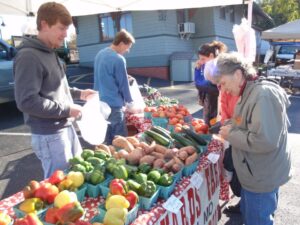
259	137
41	88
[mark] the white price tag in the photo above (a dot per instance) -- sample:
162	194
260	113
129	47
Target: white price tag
173	204
197	179
213	157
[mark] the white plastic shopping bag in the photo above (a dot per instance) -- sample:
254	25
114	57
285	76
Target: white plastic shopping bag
93	124
138	104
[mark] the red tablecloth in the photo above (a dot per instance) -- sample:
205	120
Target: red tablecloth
184	191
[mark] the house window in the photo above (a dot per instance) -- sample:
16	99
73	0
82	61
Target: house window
231	14
109	25
223	13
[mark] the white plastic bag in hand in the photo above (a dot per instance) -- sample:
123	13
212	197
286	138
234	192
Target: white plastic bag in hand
93	124
138	104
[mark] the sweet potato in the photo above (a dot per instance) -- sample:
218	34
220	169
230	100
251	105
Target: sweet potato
145	146
123	154
157	155
182	155
169	154
133	140
176	167
189	149
169	163
112	149
158	163
103	147
121	142
192	158
148	159
135	156
161	149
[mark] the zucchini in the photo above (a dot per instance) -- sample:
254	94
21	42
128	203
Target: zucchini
161	131
182	140
195	136
158	138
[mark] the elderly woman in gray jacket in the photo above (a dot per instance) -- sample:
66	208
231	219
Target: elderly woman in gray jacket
258	133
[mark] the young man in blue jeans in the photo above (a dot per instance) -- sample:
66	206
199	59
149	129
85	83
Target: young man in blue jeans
42	92
111	81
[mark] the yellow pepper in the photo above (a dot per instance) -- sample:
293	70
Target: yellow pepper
31	205
115	216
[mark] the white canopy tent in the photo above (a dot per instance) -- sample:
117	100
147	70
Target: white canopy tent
287	32
89	7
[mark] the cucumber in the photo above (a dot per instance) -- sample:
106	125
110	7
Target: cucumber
182	140
158	138
161	131
195	136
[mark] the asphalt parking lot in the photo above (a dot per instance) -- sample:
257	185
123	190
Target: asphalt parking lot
18	164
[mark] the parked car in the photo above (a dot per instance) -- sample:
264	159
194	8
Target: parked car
285	54
7	52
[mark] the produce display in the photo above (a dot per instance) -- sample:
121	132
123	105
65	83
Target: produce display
131	174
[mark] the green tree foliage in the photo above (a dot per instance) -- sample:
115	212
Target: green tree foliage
282	11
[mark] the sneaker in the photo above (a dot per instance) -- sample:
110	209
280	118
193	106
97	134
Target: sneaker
235	209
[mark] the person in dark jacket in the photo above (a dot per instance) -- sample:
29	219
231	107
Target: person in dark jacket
42	92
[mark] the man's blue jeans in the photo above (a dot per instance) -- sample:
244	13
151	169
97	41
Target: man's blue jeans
258	208
55	150
117	125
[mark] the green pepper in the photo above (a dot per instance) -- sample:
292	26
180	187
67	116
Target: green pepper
88	166
76	160
144	168
79	168
101	155
86	153
165	180
97	177
131	170
133	185
147	189
154	175
140	178
120	172
111	164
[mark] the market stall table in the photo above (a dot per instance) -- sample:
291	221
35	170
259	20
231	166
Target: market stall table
198	205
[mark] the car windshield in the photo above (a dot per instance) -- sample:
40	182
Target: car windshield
288	50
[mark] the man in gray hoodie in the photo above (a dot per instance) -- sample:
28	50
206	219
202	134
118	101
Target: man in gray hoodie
42	92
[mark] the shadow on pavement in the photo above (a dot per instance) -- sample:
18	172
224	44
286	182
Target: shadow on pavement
5	118
19	172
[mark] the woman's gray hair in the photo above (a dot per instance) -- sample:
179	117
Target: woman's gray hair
228	63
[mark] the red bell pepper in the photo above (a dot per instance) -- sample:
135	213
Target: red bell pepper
70	212
118	187
57	177
50	216
133	199
29	219
47	192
